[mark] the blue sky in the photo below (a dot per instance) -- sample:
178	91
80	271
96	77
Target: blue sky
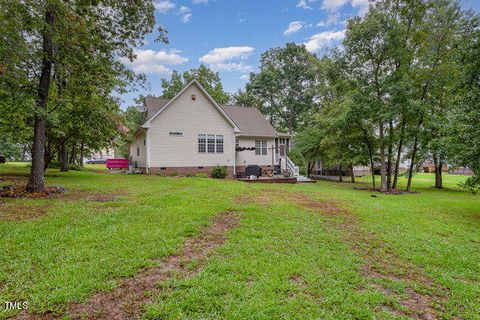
230	35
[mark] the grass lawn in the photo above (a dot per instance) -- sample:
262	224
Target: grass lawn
322	251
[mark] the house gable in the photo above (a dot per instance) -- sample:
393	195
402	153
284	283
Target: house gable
182	92
173	132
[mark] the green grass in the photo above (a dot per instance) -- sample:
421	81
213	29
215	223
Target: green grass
283	261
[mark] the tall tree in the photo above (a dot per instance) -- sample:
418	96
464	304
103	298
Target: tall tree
47	42
463	129
285	87
209	79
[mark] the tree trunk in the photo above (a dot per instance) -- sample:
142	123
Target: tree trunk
399	154
372	168
63	156
310	167
383	171
352	174
438	171
412	164
72	155
390	155
341	177
35	180
82	150
49	154
414	154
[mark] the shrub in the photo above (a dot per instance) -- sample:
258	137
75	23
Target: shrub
201	175
57	165
175	174
188	175
472	184
219	172
297	158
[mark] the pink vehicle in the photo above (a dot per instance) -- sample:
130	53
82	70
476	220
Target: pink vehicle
117	164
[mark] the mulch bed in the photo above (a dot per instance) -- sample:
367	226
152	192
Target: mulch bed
393	191
19	191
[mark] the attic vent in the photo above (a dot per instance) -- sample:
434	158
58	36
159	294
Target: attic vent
194	97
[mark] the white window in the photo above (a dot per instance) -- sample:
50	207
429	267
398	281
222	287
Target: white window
219	147
210	143
202	143
260	147
176	133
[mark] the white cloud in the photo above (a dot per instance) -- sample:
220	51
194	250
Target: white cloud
164	6
333	18
219	55
185	13
362	6
220	59
303	4
293	27
199	1
149	61
245	77
333	5
232	66
323	39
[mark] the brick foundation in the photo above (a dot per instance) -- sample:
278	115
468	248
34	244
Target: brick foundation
184	171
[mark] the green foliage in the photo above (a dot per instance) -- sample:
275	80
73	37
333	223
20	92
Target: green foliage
285	87
9	149
201	175
472	184
132	119
463	125
219	172
298	159
71	166
209	79
90	42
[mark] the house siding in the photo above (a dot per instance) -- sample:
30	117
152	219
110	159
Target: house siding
138	161
192	117
248	157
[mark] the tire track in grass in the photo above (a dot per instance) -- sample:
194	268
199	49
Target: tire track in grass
126	300
382	265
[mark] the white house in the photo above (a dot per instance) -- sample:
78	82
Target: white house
192	133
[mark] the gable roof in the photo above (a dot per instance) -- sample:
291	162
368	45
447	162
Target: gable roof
154	105
250	121
202	89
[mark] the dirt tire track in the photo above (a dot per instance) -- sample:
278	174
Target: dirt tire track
126	300
381	263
